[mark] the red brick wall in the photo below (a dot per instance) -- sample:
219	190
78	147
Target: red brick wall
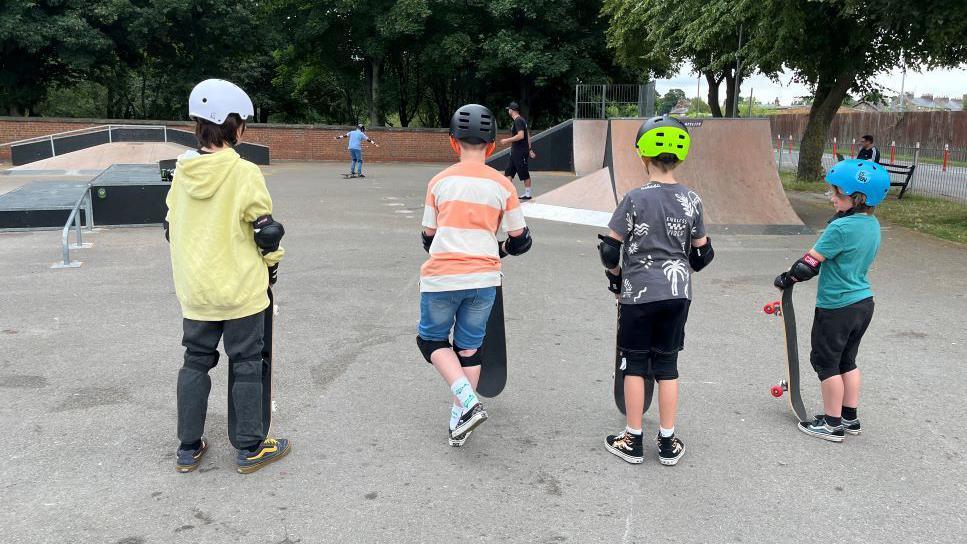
286	142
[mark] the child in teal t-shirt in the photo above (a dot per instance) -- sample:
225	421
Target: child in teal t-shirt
844	302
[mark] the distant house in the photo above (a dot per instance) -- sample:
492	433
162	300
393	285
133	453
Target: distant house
863	105
925	102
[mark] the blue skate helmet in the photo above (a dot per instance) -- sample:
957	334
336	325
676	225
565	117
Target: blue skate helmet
860	176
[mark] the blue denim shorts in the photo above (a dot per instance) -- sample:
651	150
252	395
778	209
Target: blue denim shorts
468	308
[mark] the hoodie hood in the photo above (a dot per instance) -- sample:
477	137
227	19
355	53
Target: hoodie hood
202	175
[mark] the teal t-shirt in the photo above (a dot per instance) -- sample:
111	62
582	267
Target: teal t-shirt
849	245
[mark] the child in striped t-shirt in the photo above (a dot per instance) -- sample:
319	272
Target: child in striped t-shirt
465	206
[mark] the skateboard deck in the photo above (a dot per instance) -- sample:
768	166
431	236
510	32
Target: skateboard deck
266	377
493	352
791	384
619	375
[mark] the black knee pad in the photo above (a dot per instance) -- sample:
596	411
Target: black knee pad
427	347
201	363
469	360
636	362
664	366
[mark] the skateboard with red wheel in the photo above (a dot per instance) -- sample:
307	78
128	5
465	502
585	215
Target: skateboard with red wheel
791	384
619	375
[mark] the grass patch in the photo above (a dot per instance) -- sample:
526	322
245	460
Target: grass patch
934	216
790	183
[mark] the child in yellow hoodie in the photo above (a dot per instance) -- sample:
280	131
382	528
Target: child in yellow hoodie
225	255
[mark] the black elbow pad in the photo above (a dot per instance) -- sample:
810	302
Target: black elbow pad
701	256
609	250
518	245
805	268
167	228
427	241
268	233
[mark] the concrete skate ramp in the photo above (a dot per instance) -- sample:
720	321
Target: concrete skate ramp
103	156
730	164
592	192
589	139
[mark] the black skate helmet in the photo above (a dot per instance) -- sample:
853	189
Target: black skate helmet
474	124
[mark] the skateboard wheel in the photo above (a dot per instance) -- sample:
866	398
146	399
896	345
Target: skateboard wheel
767	309
776	391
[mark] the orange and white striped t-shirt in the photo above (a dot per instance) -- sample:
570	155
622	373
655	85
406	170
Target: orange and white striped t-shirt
466	204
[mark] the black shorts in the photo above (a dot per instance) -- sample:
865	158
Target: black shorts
650	337
518	166
836	337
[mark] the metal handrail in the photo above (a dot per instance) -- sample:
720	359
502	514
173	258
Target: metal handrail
74	217
93	129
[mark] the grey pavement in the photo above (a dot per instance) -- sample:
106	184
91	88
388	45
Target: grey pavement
89	358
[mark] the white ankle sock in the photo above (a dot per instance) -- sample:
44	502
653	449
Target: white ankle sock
455	413
665	433
464	393
636	432
527	192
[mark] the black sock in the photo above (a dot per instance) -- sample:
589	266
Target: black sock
833	421
193	446
254	448
849	413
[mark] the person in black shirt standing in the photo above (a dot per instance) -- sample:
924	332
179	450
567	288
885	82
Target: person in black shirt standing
520	150
869	151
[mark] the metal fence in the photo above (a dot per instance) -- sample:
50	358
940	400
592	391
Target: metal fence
940	172
607	101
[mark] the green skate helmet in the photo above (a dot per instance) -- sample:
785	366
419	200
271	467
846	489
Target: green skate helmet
662	134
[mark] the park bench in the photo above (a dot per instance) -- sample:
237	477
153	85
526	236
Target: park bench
897	171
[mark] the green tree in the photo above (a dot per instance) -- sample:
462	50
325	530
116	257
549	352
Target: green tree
657	37
43	43
669	101
838	46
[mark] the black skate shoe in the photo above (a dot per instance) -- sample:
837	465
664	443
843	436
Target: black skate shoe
469	421
626	446
269	451
457	440
820	429
189	459
852	426
670	449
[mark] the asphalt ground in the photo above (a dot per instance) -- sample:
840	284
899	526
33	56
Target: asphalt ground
89	358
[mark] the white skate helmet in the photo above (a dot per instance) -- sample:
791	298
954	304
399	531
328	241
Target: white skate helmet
214	99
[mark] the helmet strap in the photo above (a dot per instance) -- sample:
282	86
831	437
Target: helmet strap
491	147
455	145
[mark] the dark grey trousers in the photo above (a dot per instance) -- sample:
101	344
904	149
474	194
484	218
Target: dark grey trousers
243	345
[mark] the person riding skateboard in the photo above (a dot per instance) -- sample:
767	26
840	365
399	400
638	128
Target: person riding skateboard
356	139
520	149
657	233
465	205
225	254
844	301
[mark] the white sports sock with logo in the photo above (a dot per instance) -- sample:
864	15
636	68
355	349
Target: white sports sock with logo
464	393
666	433
636	432
455	413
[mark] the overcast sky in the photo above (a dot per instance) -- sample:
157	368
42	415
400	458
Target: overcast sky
950	83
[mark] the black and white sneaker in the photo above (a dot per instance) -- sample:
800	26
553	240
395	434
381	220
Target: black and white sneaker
469	421
852	426
670	449
820	429
456	440
524	197
626	446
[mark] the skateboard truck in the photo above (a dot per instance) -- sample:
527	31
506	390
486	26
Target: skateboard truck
778	390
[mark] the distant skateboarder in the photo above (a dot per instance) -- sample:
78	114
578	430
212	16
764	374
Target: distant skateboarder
520	150
657	234
222	267
465	205
868	151
356	139
844	301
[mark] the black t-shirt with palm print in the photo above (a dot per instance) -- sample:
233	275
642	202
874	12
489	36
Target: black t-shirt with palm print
658	221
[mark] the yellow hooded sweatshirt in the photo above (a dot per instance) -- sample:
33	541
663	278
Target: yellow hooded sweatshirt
219	272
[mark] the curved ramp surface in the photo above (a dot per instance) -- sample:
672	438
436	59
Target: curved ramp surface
730	164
